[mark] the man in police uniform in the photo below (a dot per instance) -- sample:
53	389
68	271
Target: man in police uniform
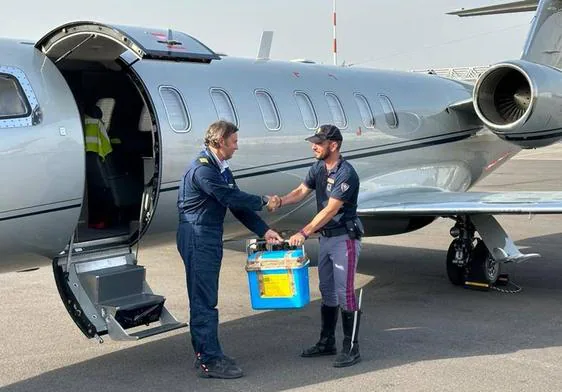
337	187
206	190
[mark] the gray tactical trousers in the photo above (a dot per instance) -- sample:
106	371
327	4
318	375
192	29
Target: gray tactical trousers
337	264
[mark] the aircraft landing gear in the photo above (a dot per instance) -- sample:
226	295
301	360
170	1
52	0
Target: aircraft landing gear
457	260
468	258
483	267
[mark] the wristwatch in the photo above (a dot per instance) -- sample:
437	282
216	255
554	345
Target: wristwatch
264	200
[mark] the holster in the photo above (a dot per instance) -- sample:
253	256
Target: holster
354	229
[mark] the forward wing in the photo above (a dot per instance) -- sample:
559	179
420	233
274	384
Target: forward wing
431	202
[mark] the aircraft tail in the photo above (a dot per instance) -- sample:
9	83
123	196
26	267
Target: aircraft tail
544	42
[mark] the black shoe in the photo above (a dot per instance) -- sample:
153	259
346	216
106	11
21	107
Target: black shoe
219	368
197	361
327	343
350	352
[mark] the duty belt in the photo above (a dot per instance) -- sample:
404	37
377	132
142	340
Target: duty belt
334	232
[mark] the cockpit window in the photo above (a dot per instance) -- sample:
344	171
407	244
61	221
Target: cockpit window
12	100
18	104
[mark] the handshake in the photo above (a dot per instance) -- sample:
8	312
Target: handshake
273	203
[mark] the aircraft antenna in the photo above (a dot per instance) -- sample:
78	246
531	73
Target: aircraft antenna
265	45
335	45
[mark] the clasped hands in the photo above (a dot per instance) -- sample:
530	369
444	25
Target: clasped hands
273	203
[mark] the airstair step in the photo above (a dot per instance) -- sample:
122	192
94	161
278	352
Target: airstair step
135	310
133	301
157	330
115	282
117	331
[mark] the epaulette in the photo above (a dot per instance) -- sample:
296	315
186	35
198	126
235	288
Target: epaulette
203	160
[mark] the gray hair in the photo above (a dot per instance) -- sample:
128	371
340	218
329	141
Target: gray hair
219	130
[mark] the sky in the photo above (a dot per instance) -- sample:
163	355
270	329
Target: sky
395	34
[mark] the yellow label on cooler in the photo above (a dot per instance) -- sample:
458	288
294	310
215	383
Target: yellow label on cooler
277	285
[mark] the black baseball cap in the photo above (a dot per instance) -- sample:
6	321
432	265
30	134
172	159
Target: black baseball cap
325	132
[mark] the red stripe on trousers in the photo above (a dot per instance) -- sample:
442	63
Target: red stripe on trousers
349	289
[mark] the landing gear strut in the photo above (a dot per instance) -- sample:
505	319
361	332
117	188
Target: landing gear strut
468	257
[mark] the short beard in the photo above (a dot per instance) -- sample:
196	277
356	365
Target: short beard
323	156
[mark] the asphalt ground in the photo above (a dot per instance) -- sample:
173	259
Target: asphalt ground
418	333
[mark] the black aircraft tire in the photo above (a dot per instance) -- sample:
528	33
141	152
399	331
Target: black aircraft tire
482	267
454	272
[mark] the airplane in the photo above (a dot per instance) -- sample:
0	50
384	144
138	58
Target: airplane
418	142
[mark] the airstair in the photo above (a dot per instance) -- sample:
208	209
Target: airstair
106	292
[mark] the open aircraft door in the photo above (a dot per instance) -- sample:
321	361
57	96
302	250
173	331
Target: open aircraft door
100	283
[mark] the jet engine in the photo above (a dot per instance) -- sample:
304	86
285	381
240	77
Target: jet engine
521	102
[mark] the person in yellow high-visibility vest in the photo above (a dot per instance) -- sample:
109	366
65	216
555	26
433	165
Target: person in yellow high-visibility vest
95	134
97	141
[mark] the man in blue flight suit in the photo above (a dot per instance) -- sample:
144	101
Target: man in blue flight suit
206	190
337	188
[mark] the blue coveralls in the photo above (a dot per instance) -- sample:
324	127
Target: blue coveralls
204	195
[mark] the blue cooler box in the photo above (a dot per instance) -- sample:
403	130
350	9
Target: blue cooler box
278	279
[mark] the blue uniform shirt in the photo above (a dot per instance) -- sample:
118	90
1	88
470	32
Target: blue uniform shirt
342	183
205	194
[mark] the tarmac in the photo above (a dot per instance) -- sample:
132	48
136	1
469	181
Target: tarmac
418	333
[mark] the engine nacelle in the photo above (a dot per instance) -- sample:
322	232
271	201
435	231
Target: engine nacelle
521	102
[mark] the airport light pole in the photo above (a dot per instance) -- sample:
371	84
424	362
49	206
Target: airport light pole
335	45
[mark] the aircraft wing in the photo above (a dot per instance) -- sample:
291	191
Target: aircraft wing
516	6
431	202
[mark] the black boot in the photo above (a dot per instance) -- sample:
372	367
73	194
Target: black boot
327	343
350	352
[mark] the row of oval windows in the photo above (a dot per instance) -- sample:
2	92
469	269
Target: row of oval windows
180	122
179	119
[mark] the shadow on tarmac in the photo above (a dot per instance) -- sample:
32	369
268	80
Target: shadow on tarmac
411	314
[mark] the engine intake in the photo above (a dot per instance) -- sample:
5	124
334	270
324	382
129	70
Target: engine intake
521	102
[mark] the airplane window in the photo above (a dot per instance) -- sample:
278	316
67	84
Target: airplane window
389	112
223	106
365	110
337	110
307	110
12	100
175	109
268	110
